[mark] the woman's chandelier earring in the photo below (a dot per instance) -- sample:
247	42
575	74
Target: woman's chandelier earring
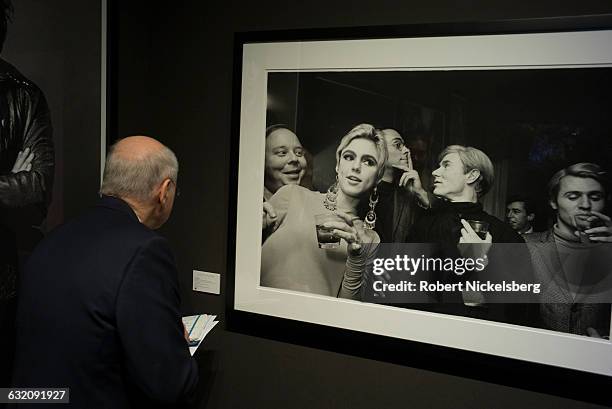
370	219
330	197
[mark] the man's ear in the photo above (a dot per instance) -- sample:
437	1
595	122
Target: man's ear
473	176
530	217
163	191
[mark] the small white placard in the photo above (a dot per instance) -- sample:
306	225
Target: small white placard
206	282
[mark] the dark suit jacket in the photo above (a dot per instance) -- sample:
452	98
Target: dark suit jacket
99	313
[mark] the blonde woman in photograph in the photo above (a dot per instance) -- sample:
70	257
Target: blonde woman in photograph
291	256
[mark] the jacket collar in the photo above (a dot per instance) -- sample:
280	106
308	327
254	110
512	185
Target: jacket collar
6	70
111	202
546	236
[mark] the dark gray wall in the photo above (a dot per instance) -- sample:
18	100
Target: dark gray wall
175	78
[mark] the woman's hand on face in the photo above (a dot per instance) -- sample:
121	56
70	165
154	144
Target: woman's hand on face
352	230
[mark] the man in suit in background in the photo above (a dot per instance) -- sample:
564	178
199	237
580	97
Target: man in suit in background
99	299
519	214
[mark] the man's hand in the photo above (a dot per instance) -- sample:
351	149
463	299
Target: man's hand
593	333
602	233
23	163
269	216
185	333
412	181
471	245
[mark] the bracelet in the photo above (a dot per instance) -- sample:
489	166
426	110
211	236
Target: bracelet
353	273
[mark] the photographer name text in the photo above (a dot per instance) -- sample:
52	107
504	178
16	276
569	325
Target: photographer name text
438	286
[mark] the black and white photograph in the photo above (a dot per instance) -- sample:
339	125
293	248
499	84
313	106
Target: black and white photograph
52	90
501	157
535	130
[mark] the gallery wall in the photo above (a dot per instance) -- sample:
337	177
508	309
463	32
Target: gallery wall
174	72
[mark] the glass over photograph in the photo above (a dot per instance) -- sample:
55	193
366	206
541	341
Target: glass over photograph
506	168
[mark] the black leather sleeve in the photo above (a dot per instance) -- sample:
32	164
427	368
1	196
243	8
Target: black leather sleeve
26	124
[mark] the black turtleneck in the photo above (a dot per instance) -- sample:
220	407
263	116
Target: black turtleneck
384	212
442	224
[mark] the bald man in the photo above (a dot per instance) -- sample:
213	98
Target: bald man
99	299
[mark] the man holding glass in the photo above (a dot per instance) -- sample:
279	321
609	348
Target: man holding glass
458	227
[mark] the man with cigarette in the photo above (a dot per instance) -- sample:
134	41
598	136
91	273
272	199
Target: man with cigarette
573	257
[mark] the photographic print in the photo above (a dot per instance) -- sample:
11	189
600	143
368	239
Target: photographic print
487	148
53	89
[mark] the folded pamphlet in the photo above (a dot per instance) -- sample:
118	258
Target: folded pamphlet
198	326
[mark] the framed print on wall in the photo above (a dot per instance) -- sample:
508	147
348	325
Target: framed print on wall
63	80
531	94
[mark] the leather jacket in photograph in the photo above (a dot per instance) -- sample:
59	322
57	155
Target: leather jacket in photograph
24	123
24	196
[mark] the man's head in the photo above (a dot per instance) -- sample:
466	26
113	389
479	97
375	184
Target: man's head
143	172
576	191
418	151
519	213
6	11
398	152
465	173
285	162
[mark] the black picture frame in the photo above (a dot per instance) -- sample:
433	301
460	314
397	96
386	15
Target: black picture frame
477	365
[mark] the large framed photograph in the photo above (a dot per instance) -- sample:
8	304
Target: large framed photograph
53	96
532	97
54	90
69	88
